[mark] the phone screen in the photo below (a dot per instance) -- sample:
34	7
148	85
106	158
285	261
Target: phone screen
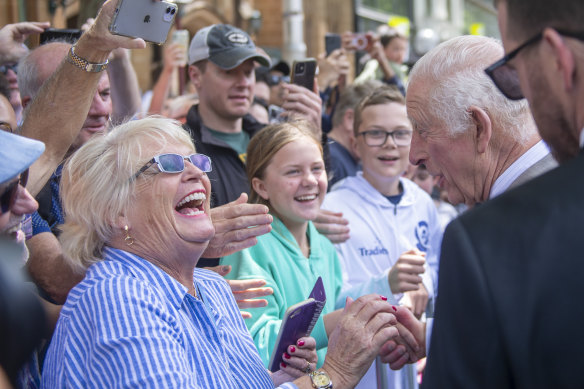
332	42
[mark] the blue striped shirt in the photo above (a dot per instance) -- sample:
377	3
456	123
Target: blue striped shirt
130	324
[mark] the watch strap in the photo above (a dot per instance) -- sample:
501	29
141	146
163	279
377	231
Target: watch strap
84	64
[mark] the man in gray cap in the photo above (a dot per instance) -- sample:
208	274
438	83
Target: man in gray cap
221	66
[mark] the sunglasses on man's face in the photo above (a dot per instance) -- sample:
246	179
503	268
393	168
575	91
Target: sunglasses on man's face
175	163
506	78
8	197
6	67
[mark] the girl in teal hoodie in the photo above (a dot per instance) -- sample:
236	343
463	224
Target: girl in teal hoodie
286	171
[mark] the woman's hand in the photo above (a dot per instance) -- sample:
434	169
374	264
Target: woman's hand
299	360
365	325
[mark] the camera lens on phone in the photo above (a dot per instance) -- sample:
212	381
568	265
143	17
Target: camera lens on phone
173	11
299	68
167	10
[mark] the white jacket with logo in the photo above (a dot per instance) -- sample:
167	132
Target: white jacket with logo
381	232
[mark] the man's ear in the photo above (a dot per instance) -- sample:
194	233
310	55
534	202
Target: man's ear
354	147
348	120
24	101
482	126
564	58
195	75
258	185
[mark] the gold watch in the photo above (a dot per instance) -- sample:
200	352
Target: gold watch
321	380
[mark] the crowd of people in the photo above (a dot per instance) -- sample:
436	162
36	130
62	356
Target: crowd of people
159	241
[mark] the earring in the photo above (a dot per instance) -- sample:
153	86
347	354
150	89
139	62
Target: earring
128	239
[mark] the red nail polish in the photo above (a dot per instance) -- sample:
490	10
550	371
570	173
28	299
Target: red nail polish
394	308
300	343
287	356
282	364
292	349
383	298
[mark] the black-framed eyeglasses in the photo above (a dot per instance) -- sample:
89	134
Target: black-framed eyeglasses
8	197
374	138
12	66
506	78
175	163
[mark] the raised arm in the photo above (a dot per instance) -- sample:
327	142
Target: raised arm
57	113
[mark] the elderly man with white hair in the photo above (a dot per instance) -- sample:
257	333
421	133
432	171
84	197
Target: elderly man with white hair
466	132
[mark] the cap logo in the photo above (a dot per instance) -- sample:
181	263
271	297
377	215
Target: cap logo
237	38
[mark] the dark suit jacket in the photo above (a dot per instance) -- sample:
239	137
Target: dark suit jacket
509	312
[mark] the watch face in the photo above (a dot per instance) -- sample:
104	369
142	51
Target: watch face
321	380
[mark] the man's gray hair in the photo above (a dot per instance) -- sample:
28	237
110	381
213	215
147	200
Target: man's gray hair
30	79
454	74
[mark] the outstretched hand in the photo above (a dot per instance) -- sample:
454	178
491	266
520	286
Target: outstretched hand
12	37
365	325
237	224
246	292
410	345
332	225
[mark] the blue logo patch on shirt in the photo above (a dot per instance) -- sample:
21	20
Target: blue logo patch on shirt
422	232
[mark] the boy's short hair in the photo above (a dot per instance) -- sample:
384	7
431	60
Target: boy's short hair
383	95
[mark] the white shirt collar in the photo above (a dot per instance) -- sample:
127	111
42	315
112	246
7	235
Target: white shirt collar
524	162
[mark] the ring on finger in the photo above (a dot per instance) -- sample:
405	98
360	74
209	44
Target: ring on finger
307	369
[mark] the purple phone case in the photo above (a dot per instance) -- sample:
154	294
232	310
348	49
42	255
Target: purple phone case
298	322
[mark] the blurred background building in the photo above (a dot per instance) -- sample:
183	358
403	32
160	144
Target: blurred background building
288	29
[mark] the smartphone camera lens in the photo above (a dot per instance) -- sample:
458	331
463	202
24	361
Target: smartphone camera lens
300	68
167	10
173	11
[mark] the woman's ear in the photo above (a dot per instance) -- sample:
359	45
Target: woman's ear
120	222
260	188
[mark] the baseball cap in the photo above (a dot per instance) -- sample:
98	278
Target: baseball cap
224	45
17	153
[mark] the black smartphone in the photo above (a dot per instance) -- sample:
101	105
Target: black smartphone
69	35
303	73
149	20
332	42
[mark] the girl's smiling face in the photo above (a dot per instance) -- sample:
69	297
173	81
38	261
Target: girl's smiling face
294	182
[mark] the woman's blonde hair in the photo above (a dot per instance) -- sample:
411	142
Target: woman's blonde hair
266	143
98	185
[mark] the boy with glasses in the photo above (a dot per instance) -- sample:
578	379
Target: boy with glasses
394	224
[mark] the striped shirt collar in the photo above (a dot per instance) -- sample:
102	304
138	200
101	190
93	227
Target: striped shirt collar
143	269
524	162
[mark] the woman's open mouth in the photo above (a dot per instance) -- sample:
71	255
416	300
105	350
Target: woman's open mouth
191	204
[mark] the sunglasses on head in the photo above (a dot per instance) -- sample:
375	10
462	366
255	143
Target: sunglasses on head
8	197
5	68
506	78
175	163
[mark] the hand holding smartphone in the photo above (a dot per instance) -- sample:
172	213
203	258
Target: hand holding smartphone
303	73
298	322
149	20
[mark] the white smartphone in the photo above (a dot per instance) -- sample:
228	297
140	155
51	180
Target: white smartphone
146	19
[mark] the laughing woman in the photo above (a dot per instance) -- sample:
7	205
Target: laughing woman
137	206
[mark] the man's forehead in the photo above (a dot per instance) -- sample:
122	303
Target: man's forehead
104	82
